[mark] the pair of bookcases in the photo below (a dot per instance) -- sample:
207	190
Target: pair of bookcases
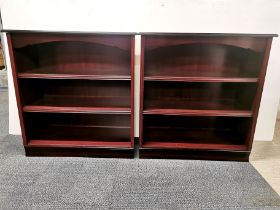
200	93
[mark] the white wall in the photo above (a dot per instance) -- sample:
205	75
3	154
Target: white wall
205	16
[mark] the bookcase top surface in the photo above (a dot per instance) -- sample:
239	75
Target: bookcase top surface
141	33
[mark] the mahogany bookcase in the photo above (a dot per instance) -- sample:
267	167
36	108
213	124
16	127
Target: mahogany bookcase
200	94
75	92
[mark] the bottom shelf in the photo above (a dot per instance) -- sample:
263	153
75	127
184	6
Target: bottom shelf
71	143
156	144
82	133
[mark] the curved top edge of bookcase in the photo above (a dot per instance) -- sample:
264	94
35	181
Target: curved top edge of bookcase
20	40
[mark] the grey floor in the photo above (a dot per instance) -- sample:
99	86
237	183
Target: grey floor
88	183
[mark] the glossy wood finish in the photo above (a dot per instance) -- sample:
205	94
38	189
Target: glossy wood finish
65	143
197	78
200	95
75	93
18	97
199	112
258	96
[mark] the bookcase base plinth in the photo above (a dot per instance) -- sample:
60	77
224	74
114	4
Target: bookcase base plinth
79	152
223	155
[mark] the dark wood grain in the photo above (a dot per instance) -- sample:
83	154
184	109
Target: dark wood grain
76	109
203	78
142	87
210	146
17	91
258	96
200	95
199	112
171	153
67	143
72	76
132	57
75	93
45	151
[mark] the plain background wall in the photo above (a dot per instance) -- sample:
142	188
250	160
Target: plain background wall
193	16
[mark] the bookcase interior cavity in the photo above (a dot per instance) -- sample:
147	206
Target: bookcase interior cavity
171	131
86	94
83	128
198	96
73	56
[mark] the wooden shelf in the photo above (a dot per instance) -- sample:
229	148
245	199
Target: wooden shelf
70	143
200	146
73	76
182	105
199	73
201	79
59	109
191	112
75	104
62	132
